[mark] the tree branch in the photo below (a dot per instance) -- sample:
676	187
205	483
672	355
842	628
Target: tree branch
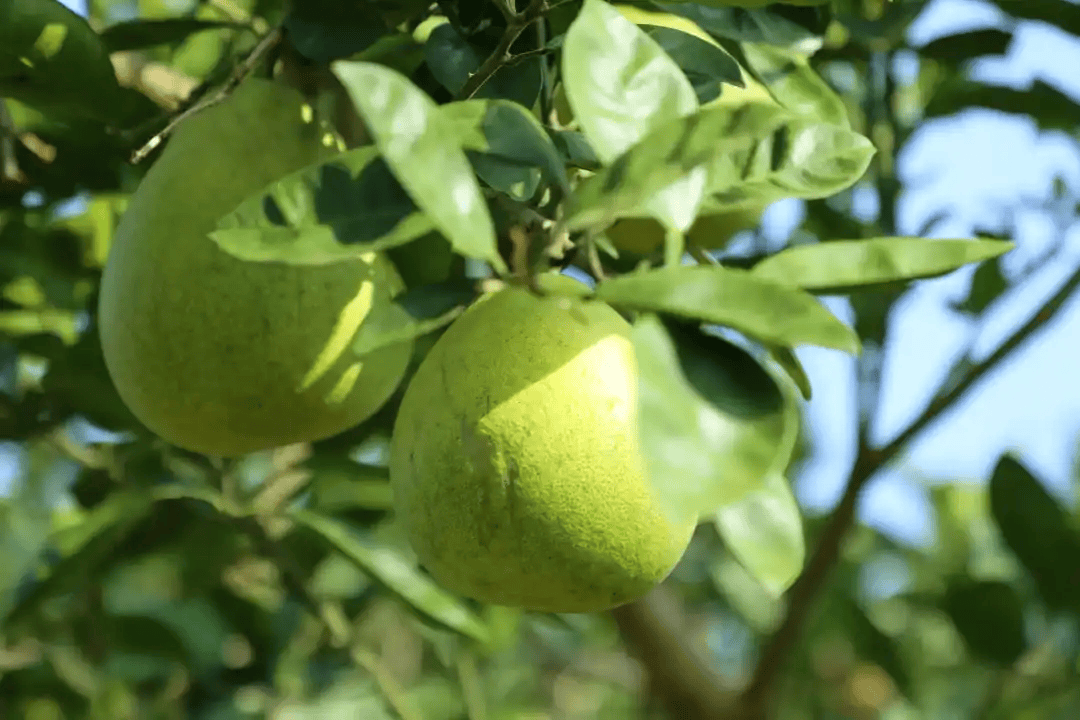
867	463
651	627
515	25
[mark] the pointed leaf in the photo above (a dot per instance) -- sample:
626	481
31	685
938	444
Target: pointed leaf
753	153
763	529
761	309
962	47
411	135
1037	530
507	139
388	568
714	423
619	82
847	265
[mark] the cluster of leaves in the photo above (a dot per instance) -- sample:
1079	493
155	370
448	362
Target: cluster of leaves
514	138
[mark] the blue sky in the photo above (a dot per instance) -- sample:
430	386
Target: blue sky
972	166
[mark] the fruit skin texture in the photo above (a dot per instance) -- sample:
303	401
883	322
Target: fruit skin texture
644	236
209	351
515	462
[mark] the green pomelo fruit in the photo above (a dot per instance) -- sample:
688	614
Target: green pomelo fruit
711	232
515	459
222	356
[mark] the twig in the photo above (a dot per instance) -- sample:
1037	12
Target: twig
242	71
684	683
515	25
867	463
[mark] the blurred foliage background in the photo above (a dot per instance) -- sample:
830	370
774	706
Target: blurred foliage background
123	598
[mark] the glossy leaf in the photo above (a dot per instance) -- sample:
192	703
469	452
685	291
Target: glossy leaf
763	529
413	139
1038	531
847	265
752	154
619	82
347	207
389	569
52	60
714	424
505	143
761	309
794	84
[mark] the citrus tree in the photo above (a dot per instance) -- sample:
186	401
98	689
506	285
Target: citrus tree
392	359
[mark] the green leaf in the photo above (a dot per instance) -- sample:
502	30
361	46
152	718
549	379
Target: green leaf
763	529
704	64
619	81
506	144
790	364
746	25
761	309
714	424
325	30
452	60
343	208
962	47
839	266
1037	530
794	84
418	312
139	34
1054	12
389	569
413	138
52	60
987	285
989	615
750	154
1049	107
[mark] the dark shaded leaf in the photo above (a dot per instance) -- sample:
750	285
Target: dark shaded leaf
990	617
452	60
1051	108
714	424
325	30
139	34
346	207
417	145
987	285
1038	531
52	60
967	46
